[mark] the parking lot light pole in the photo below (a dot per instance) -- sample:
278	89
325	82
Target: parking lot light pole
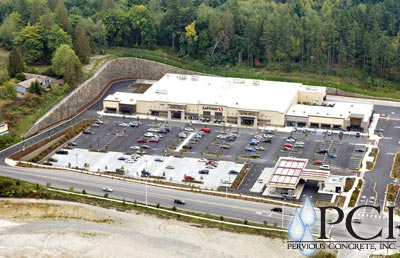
283	211
146	180
76	160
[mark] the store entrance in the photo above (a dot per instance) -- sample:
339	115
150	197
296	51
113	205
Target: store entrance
247	121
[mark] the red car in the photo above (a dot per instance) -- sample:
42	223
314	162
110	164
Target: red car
189	178
288	145
318	162
153	140
141	140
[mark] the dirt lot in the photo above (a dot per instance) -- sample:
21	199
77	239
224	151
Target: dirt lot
35	228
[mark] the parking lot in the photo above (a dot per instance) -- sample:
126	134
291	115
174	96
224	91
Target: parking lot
183	145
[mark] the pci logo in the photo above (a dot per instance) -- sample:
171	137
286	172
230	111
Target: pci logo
300	230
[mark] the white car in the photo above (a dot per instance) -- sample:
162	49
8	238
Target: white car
134	147
221	136
182	135
188	129
290	140
150	135
202	160
107	189
130	160
123	124
154	130
299	143
325	167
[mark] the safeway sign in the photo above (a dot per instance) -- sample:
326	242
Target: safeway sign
208	108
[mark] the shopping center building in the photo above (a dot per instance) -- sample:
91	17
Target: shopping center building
244	102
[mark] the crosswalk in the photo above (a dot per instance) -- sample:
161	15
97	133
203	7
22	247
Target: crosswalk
372	216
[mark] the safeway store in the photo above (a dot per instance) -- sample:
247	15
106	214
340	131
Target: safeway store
244	102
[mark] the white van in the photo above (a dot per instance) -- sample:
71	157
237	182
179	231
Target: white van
325	167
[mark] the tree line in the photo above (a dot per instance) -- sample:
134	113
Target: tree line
357	38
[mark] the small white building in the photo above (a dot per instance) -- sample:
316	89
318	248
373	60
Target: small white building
334	184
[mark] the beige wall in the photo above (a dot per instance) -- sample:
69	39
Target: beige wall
111	104
311	96
326	120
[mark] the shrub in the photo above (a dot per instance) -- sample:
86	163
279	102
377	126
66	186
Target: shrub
20	76
83	191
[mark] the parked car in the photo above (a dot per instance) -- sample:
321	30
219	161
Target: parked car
233	171
329	133
249	150
146	173
123	124
189	178
141	140
325	167
134	124
149	135
87	132
187	147
134	147
379	130
253	143
323	151
204	171
206	130
358	135
318	162
288	145
95	125
188	129
299	143
221	136
72	144
332	155
267	140
153	130
121	158
51	159
170	167
276	209
153	140
144	146
225	146
98	121
180	201
202	160
164	130
260	180
259	148
182	135
158	160
107	189
359	150
62	152
255	156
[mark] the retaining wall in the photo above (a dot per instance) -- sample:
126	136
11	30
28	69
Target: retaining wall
132	68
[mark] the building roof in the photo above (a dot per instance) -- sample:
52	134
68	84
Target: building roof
222	91
333	110
124	98
27	83
288	172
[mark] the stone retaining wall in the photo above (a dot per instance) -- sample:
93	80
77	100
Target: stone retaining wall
132	68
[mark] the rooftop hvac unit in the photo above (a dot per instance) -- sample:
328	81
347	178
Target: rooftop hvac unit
238	81
195	78
182	77
312	88
256	83
161	91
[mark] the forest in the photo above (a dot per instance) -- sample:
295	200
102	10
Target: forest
355	38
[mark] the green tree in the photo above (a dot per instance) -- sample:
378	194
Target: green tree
143	25
15	63
66	63
29	41
8	91
11	25
62	15
82	44
37	9
35	88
